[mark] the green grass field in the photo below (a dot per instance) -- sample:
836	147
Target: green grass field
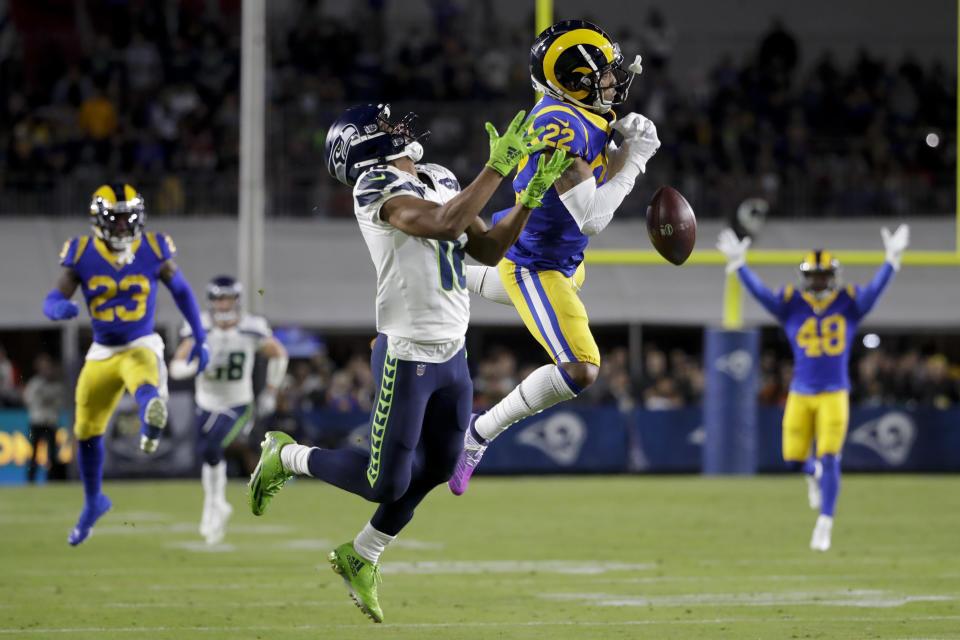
557	558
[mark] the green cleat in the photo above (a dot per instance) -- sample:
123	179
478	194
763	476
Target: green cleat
361	578
269	476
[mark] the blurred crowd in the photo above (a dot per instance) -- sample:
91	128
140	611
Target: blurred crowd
879	377
150	91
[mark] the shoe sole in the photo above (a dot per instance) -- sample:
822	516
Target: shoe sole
332	559
156	413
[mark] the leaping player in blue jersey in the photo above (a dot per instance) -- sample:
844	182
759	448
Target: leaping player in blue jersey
580	71
820	320
118	272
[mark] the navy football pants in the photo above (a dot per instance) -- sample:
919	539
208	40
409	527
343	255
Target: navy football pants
416	435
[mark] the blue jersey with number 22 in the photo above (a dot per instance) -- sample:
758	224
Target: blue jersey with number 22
552	241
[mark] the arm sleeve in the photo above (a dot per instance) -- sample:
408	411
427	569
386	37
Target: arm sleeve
867	297
592	207
767	299
187	303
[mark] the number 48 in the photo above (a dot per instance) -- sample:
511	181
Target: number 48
831	339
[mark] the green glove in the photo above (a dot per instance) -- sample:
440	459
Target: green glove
507	150
546	175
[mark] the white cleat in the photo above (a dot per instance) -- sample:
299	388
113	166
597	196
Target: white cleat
820	541
219	515
155	416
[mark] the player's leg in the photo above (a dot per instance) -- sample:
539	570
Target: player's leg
34	437
215	432
798	431
444	420
99	388
485	282
833	415
554	314
145	377
380	474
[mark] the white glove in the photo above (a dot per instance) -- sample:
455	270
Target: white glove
266	403
895	243
640	139
733	248
635	66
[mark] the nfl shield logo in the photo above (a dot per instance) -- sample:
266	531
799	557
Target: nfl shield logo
421	368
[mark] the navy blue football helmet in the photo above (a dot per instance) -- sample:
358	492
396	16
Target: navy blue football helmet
224	293
366	135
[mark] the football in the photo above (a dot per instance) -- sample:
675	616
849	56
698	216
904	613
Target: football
671	225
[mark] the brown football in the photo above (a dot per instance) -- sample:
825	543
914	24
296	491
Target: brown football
671	225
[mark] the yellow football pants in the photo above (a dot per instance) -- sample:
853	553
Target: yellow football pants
823	416
552	310
101	384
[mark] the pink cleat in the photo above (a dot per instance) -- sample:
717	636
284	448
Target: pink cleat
468	460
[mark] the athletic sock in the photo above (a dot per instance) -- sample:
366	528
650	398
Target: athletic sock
370	543
829	484
542	389
214	479
90	460
295	457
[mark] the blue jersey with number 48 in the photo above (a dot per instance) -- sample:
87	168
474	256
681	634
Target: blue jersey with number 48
551	240
820	331
121	298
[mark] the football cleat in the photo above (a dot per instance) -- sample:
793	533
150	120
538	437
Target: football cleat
154	420
469	459
216	522
361	578
269	476
89	517
820	540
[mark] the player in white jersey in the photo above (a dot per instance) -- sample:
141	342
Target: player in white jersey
418	225
224	392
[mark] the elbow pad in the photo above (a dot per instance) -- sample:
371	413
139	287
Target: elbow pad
592	207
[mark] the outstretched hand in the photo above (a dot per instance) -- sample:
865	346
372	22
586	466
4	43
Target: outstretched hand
733	248
547	173
507	150
895	244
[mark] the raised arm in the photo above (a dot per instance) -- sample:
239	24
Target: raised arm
418	217
592	207
183	296
735	251
490	245
895	244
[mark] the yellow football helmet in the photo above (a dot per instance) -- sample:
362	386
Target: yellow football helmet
568	61
118	215
819	273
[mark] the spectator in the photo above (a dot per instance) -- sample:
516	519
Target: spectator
9	392
44	398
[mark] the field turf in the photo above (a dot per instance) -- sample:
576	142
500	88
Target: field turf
554	558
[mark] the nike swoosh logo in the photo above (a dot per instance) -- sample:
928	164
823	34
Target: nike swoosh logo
566	124
380	177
